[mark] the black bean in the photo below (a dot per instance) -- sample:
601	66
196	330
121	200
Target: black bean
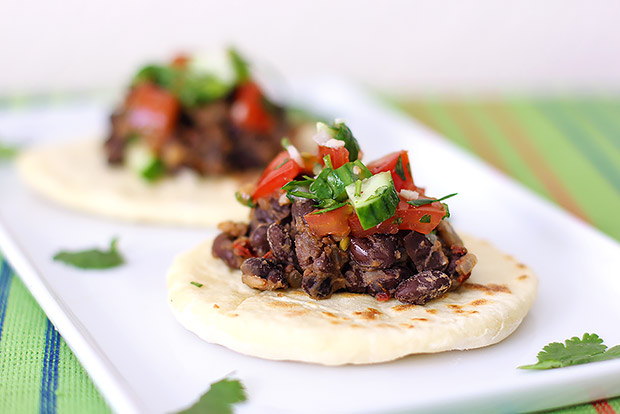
422	287
223	248
281	244
264	274
374	251
258	239
426	254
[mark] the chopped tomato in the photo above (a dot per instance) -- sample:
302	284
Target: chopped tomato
309	161
248	109
333	222
152	112
390	163
389	226
180	61
422	219
242	247
339	156
279	172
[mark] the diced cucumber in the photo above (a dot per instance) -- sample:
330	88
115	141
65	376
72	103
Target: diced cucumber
376	201
345	175
144	162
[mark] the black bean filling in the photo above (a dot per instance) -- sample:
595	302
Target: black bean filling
280	251
206	140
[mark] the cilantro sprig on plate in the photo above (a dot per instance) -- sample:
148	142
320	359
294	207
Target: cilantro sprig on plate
574	351
219	399
92	258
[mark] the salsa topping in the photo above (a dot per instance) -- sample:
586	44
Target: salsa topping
182	116
343	225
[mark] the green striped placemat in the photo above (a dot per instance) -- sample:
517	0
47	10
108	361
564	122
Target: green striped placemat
566	150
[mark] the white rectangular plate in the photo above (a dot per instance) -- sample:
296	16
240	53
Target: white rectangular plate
118	324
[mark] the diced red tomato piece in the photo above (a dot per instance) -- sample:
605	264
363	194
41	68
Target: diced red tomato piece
180	61
242	247
279	172
152	112
339	156
410	216
248	109
388	163
335	222
309	161
389	226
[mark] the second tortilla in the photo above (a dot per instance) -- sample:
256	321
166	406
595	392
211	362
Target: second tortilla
77	175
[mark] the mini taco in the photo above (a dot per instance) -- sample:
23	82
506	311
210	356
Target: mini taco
345	262
184	136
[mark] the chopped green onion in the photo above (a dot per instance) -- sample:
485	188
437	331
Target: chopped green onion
197	284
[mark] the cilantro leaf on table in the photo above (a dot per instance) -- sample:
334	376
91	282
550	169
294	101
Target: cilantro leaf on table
92	258
7	151
574	351
219	399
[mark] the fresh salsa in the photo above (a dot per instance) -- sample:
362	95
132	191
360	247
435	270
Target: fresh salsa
329	222
183	115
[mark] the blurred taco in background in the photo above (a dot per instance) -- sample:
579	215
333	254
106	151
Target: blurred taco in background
186	133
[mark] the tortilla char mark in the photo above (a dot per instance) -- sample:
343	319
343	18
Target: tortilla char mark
489	289
369	314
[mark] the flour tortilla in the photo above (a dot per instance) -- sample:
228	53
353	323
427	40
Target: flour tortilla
78	176
348	328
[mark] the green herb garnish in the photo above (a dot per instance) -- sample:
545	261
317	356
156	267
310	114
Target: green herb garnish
574	351
334	206
425	218
240	65
445	207
245	199
424	201
219	399
343	133
320	187
154	170
282	163
399	168
197	284
93	258
7	152
285	143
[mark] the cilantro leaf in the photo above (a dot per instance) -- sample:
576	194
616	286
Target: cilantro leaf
93	258
399	168
7	151
574	351
240	65
343	133
424	201
245	199
219	399
330	207
425	218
